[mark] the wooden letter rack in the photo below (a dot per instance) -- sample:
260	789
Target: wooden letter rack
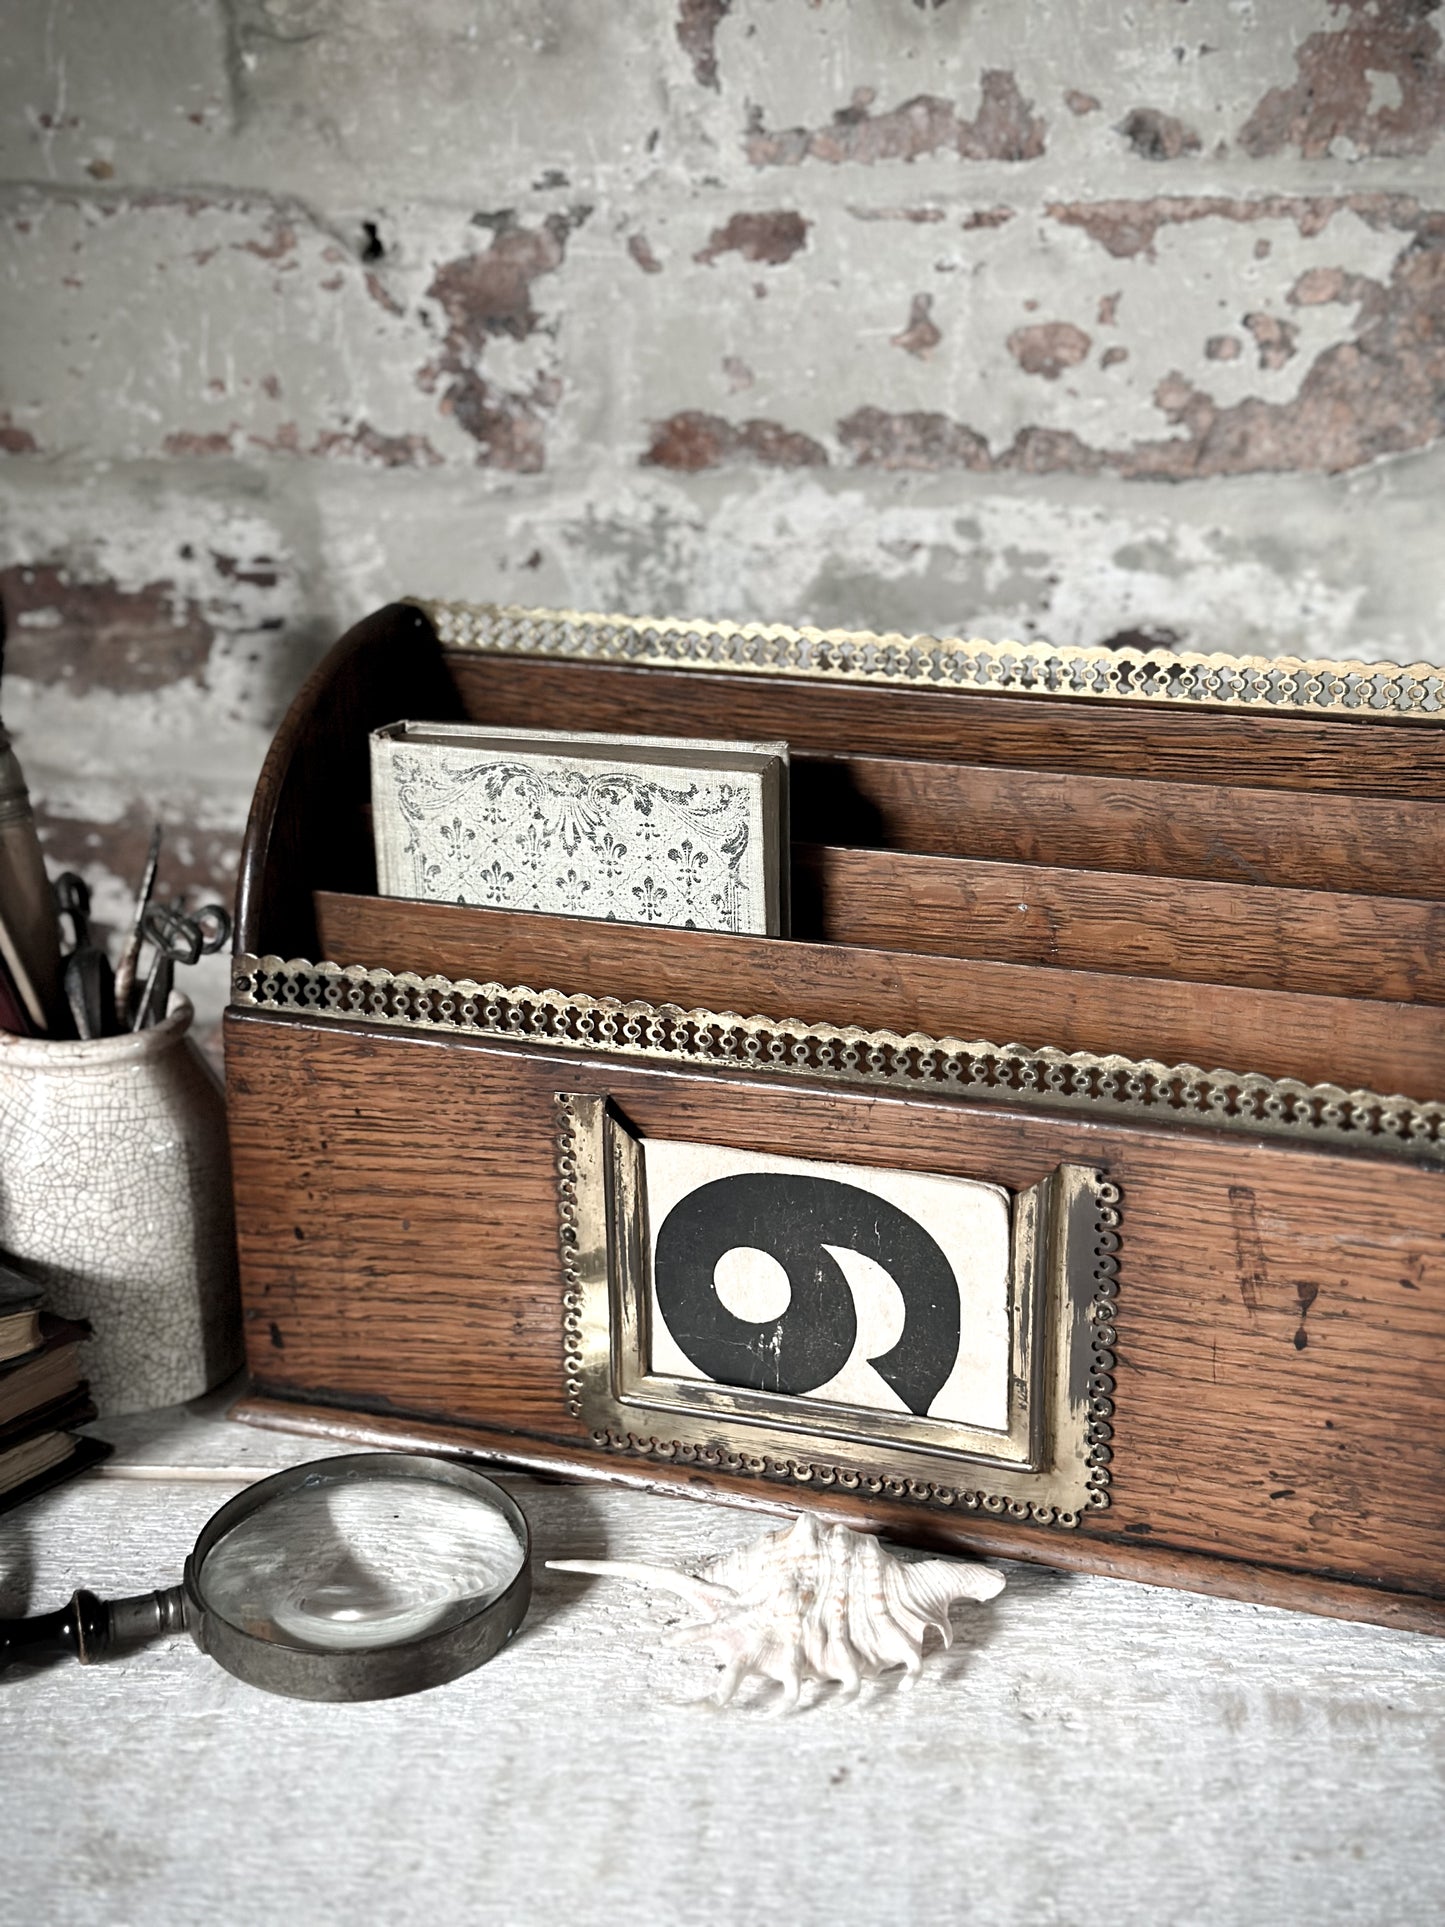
1155	944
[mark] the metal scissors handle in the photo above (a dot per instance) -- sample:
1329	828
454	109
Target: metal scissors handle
214	922
72	899
177	937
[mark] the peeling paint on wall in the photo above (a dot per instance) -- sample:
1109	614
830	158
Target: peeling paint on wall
769	238
1005	128
1373	85
487	295
864	315
691	440
697	25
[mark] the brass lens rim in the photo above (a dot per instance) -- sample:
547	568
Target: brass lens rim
381	1672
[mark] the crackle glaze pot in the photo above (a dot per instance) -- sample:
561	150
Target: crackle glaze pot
115	1190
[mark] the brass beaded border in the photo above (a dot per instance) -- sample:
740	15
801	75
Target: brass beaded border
567	1236
1142	1091
1288	685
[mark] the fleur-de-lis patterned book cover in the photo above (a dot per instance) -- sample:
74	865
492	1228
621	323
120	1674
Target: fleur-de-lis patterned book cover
633	829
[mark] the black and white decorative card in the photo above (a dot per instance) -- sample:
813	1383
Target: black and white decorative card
889	1330
881	1290
633	829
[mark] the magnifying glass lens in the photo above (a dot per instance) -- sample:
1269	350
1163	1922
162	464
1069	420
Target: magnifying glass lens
348	1563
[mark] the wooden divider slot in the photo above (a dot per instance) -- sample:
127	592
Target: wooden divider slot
1390	1047
1360	756
1369	846
1390	948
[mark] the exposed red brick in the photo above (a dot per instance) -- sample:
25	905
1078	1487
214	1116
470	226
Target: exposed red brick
1004	129
15	440
1050	451
641	252
285	440
95	635
1080	103
1048	348
490	293
367	444
1317	286
986	217
697	25
1157	137
1223	348
484	295
922	334
1111	357
917	439
769	238
1108	315
1127	228
1332	98
506	426
213	441
1275	338
1381	393
738	373
693	440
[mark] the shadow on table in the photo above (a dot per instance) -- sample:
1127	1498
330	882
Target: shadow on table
17	1586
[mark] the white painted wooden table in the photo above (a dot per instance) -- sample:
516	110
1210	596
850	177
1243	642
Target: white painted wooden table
1090	1752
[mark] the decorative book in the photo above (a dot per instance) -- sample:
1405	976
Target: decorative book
628	829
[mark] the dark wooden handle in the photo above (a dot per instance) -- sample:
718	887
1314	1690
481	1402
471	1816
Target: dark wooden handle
88	1628
79	1630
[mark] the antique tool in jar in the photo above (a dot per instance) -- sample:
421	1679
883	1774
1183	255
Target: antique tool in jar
176	937
89	984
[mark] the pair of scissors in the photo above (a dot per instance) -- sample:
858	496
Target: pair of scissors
89	986
177	937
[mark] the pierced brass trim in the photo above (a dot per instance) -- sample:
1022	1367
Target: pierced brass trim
1051	1466
1142	1091
1286	685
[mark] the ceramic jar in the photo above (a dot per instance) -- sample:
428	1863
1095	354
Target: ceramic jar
115	1191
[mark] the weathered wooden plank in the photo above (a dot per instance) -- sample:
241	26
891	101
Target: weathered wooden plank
1281	1387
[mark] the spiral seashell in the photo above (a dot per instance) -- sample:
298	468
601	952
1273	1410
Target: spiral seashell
811	1602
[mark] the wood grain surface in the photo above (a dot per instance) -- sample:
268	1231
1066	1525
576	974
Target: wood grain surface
1378	1046
1294	841
1282	1371
1234	1764
306	825
1281	1384
1295	940
1346	757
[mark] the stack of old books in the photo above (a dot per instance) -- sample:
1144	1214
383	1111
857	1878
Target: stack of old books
42	1393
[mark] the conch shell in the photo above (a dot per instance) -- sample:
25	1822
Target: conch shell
811	1602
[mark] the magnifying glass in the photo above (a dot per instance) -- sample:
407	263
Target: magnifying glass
353	1578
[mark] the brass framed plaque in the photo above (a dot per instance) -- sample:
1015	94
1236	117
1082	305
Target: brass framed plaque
888	1330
